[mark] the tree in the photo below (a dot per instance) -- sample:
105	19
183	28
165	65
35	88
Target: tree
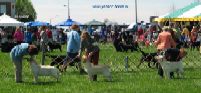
25	11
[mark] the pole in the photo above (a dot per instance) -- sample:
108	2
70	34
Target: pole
126	63
136	11
68	10
136	16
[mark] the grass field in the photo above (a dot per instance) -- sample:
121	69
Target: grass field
143	80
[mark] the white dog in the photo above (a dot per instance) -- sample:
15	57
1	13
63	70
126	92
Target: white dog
97	69
43	70
170	66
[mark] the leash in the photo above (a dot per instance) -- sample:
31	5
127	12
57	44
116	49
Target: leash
65	59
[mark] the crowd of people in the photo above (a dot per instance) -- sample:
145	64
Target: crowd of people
31	35
182	36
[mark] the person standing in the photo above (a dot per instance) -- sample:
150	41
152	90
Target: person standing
89	45
43	37
194	35
49	35
163	42
43	43
18	36
55	35
185	36
27	36
60	35
73	46
16	56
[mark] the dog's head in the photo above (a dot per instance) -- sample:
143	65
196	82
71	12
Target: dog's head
160	58
53	63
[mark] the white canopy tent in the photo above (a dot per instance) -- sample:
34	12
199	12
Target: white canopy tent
131	26
188	13
6	20
94	22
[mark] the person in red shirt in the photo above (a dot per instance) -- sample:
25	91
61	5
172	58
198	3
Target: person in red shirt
49	35
18	36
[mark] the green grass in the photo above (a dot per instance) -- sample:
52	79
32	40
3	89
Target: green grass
143	80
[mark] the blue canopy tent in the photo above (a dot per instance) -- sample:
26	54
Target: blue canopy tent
37	23
68	22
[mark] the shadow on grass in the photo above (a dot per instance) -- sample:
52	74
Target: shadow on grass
192	69
190	78
41	83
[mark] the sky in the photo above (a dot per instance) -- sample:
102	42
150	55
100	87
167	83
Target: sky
84	11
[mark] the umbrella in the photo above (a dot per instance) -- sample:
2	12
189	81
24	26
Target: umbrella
6	20
68	22
94	22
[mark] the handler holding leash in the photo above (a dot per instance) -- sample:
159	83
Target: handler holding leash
92	50
163	42
16	56
73	46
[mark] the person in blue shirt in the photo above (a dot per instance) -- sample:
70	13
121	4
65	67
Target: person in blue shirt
28	37
73	46
16	56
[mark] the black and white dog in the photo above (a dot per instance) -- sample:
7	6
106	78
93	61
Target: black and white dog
148	57
53	46
58	61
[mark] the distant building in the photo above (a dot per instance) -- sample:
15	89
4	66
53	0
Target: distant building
7	7
152	18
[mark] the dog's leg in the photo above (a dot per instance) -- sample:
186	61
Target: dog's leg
90	77
141	61
60	49
171	75
107	75
160	71
57	76
167	75
35	78
94	77
157	65
149	64
181	73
